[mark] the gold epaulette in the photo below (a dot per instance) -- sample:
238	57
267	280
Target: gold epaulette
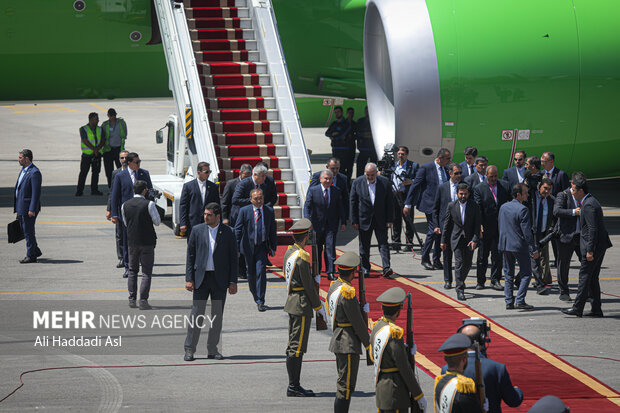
465	384
348	291
396	331
303	254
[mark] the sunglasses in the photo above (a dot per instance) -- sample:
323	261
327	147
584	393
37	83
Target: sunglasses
123	157
205	172
137	162
518	159
457	173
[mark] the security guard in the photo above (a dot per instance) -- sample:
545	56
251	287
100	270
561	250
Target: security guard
349	329
394	377
455	393
302	299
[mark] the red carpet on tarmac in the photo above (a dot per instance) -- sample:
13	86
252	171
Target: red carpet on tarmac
533	369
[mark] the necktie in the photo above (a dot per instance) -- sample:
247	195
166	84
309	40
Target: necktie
471	169
133	176
548	174
326	196
494	192
539	221
443	174
259	227
454	192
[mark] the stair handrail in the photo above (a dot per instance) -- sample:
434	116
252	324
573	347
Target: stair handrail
266	29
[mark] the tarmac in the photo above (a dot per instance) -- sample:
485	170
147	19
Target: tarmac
77	271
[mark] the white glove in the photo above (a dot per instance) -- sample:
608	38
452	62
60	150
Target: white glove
414	350
321	312
422	403
485	406
366	308
317	278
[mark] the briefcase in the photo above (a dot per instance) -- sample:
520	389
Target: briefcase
14	231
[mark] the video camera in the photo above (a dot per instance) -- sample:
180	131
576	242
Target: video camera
389	155
152	194
483	326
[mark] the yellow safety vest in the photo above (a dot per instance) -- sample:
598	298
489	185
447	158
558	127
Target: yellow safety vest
94	140
123	126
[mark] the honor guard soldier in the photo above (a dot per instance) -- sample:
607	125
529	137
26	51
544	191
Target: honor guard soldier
349	329
454	392
395	381
302	299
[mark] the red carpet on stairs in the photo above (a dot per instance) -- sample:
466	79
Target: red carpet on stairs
533	369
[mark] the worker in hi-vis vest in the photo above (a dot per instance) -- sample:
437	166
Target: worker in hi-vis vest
92	149
114	132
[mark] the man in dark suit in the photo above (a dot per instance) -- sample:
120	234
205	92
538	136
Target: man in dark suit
490	197
461	228
139	216
515	174
480	174
558	176
468	165
516	242
27	203
122	191
402	178
446	193
196	194
340	180
543	204
422	194
566	210
118	227
324	208
372	210
497	383
244	172
337	134
241	197
594	243
255	230
210	270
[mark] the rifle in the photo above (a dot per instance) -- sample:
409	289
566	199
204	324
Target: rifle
362	294
415	407
321	324
479	380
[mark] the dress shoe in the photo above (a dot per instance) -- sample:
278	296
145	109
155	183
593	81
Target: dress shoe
510	306
497	286
479	286
189	355
542	290
261	307
144	305
120	264
79	193
447	286
28	260
388	272
216	356
38	253
96	192
571	311
437	266
427	265
524	306
565	297
132	303
461	296
331	277
242	276
597	314
298	391
126	274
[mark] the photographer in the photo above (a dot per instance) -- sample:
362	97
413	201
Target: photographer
402	177
122	191
497	383
139	216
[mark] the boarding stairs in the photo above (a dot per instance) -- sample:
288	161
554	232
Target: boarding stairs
247	97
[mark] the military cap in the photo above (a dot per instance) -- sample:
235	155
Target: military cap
456	344
347	261
549	404
393	297
301	226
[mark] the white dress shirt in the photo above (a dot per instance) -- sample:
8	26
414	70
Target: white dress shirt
440	172
132	174
453	190
463	205
372	190
203	189
212	238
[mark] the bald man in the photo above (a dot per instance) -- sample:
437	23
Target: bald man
497	383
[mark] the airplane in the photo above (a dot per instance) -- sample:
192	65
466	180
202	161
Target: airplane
499	76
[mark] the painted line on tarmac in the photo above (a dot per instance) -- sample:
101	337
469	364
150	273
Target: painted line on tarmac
243	287
98	107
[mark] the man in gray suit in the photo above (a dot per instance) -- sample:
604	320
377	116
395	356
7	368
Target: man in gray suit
516	242
211	269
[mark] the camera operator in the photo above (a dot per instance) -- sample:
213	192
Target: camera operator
497	383
122	191
532	177
402	178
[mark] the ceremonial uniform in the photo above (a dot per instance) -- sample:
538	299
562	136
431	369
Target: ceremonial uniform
301	301
394	378
349	328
